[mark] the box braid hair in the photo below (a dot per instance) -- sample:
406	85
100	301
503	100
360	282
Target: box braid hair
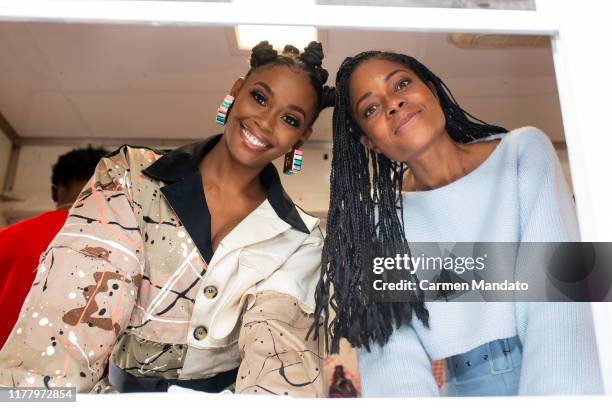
310	62
363	220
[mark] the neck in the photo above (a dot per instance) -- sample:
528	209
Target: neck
439	164
67	194
63	206
220	171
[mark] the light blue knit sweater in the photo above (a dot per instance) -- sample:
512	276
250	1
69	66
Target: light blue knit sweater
518	194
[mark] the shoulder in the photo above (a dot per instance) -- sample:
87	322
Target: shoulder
533	154
51	219
135	158
44	220
530	141
541	179
124	167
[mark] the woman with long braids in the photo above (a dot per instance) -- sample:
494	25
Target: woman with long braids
190	267
397	127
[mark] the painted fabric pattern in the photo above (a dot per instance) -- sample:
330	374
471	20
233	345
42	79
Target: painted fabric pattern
120	282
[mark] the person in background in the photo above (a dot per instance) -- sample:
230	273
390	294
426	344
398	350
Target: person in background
22	244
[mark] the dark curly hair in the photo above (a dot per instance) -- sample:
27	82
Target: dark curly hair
363	219
77	164
310	62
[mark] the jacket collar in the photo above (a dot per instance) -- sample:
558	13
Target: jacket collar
180	163
179	169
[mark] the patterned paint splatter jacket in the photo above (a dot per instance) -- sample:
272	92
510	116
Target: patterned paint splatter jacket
132	278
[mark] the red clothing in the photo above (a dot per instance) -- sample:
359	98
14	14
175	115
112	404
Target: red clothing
21	246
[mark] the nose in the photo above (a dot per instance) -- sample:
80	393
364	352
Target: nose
394	106
265	122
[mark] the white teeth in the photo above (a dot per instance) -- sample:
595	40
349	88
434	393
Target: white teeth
252	139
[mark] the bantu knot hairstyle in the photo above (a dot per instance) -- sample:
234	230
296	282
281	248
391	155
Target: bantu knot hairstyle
363	220
310	61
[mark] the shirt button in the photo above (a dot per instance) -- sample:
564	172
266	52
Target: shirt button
211	292
200	333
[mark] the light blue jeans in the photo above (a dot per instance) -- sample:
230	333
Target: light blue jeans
491	369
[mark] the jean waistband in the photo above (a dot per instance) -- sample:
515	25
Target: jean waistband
495	357
126	382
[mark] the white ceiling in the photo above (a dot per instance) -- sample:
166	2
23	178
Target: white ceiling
121	81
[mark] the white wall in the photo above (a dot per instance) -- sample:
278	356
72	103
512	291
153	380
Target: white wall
309	189
512	102
5	152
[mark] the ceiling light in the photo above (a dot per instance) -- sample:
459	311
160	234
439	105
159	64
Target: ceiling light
247	36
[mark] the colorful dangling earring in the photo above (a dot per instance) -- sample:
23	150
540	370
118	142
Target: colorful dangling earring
223	109
293	161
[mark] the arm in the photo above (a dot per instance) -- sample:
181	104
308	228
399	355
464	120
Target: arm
559	349
84	290
276	357
399	369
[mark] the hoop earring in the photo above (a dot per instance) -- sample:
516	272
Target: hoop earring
224	109
293	161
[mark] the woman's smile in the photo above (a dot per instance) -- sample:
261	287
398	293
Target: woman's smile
252	140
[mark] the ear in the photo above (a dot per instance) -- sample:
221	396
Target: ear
54	193
236	87
432	88
368	144
303	138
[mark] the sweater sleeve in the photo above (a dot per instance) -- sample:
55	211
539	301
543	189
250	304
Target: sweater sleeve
70	320
401	368
559	350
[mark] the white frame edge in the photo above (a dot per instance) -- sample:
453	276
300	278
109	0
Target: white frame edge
575	44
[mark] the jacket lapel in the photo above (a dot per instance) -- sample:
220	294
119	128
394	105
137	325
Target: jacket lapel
187	200
280	202
184	193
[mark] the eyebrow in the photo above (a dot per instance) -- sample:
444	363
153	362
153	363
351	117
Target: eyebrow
389	75
265	86
395	71
364	96
298	109
269	90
